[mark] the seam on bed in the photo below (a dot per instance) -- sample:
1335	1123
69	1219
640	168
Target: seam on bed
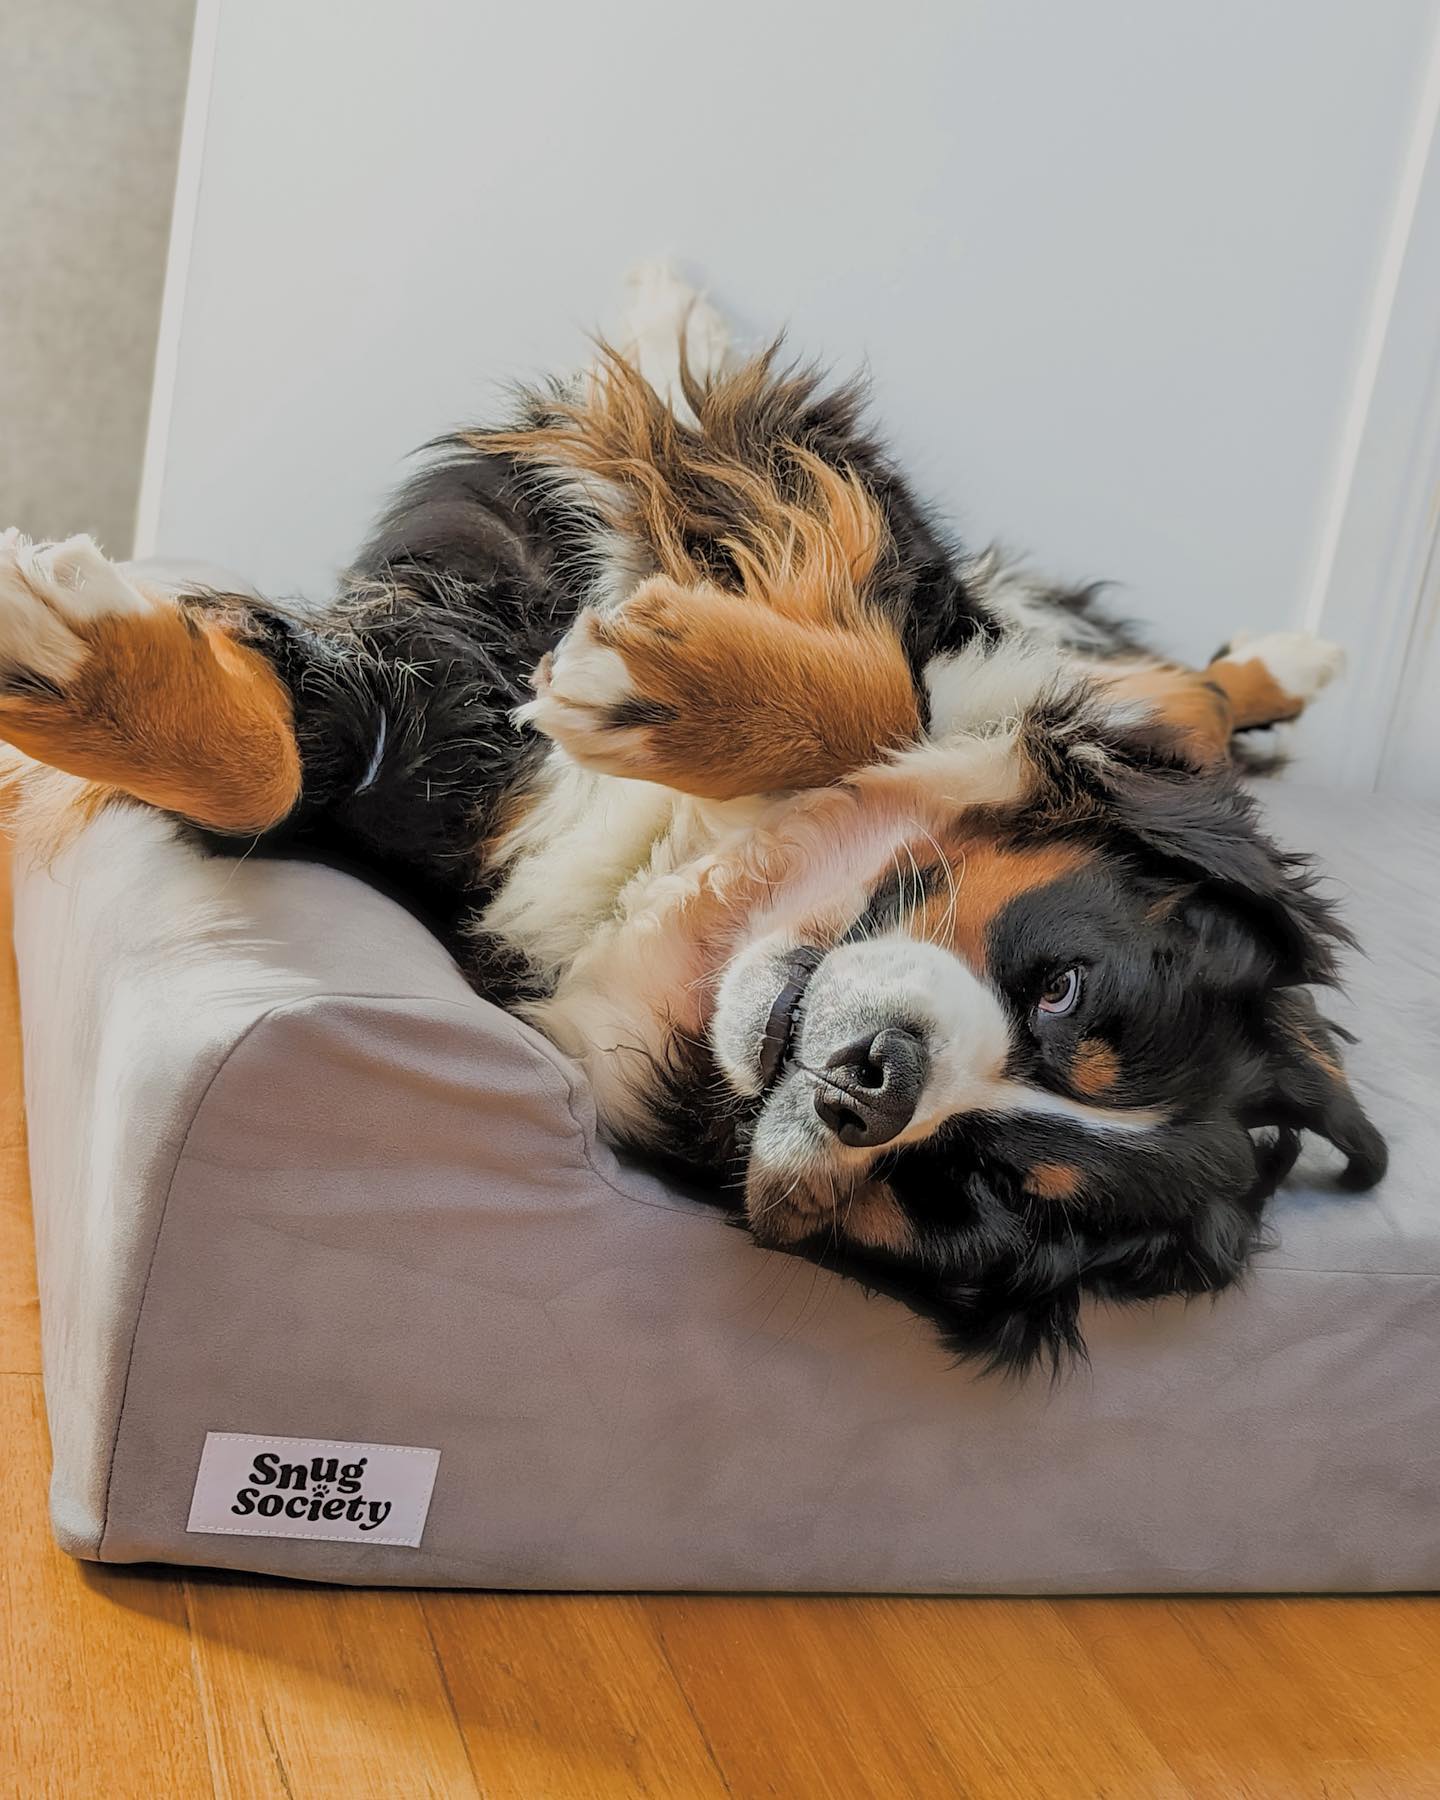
1366	1274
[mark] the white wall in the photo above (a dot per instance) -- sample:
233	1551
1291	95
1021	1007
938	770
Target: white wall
1113	265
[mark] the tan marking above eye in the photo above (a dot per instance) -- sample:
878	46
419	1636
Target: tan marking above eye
984	877
1053	1181
1095	1067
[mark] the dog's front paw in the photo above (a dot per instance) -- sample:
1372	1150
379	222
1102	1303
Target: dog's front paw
50	597
588	701
1298	662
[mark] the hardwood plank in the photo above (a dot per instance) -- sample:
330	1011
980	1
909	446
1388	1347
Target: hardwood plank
19	1296
791	1702
1377	1658
568	1695
902	1697
310	1692
1259	1699
1025	1713
19	1301
96	1662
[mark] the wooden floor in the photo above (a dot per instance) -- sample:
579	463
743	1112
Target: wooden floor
148	1684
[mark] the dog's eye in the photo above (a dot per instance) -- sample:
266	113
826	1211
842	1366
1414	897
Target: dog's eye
1061	994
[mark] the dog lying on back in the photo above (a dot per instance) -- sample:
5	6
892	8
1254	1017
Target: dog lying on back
904	898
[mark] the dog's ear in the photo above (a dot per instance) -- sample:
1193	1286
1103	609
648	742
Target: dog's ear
1024	1315
1244	889
1128	781
1031	1318
1303	1086
1021	1314
1204	827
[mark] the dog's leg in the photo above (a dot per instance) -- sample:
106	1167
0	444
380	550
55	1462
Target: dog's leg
1274	676
1254	682
138	693
713	695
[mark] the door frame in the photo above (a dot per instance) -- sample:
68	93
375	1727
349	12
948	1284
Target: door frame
1379	537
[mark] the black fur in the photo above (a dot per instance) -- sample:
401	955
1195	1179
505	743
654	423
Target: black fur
404	685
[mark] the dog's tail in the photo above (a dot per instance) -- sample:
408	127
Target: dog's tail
664	318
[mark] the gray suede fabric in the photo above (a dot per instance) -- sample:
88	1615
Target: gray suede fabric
293	1178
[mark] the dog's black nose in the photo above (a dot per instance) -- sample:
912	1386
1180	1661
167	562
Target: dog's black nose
872	1087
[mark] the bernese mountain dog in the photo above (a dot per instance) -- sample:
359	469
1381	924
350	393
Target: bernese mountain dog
902	898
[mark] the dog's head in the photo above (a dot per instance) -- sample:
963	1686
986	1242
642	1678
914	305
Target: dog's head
992	1058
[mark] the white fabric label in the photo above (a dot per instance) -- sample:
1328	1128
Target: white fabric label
312	1488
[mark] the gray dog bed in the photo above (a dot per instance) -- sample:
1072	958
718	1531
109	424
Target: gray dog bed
328	1249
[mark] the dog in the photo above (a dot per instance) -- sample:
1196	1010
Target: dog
902	897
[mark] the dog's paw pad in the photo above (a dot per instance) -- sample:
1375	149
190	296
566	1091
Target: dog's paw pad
1299	662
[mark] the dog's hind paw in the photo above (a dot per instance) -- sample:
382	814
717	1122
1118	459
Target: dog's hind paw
1298	662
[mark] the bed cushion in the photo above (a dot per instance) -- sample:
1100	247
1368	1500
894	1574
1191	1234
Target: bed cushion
299	1193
